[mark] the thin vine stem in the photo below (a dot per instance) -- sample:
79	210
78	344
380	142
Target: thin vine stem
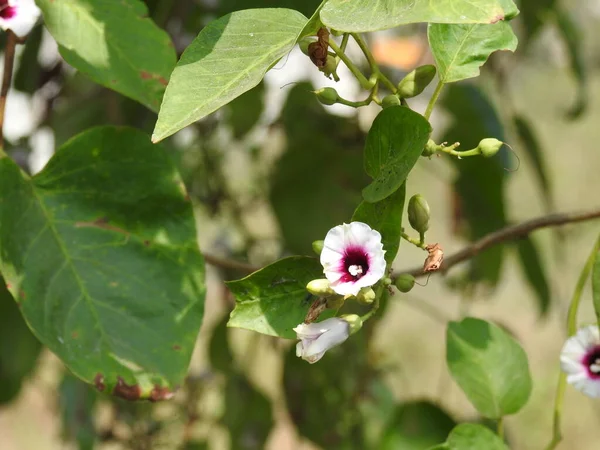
372	63
571	330
416	242
351	66
433	100
9	59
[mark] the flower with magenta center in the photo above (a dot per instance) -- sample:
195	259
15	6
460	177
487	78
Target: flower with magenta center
580	360
19	16
352	257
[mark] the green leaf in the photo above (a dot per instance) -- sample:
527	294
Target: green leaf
307	206
76	402
394	144
416	426
366	15
532	147
596	286
229	57
115	44
535	272
489	366
274	299
460	50
100	250
385	216
471	436
571	34
19	349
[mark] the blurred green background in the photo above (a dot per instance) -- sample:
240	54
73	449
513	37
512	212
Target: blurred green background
273	171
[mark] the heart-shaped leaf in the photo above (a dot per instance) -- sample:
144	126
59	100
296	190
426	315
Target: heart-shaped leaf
367	15
100	251
394	144
472	436
115	44
229	57
489	366
460	50
274	299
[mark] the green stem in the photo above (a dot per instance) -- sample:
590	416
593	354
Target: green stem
375	306
376	72
500	427
571	330
357	73
415	242
434	98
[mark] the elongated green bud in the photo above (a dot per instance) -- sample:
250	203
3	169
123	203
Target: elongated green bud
317	247
366	296
390	100
405	282
354	321
418	213
327	96
416	81
329	67
320	288
489	147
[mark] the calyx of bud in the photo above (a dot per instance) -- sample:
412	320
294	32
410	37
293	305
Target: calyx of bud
366	296
317	247
405	282
354	321
390	100
489	147
327	95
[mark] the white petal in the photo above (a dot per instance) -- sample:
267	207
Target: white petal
587	386
24	19
335	335
346	288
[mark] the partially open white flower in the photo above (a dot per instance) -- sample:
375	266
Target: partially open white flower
352	257
19	16
317	338
580	360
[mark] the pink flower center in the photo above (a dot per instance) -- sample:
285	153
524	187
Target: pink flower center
7	12
355	264
592	362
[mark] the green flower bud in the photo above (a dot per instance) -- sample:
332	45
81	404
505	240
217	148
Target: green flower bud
320	288
329	67
430	148
317	247
405	282
390	100
386	281
416	81
354	321
304	43
327	96
489	147
418	213
366	296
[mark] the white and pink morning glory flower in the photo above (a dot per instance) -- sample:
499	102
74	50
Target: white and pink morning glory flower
317	338
352	257
580	360
19	16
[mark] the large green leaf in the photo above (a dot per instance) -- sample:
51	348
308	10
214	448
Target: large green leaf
366	15
274	299
460	50
100	251
394	144
489	366
534	268
385	216
307	207
471	436
114	43
229	57
19	349
416	426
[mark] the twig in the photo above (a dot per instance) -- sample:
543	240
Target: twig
510	233
9	59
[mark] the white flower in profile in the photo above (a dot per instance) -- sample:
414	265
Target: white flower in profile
352	257
580	360
19	16
317	338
